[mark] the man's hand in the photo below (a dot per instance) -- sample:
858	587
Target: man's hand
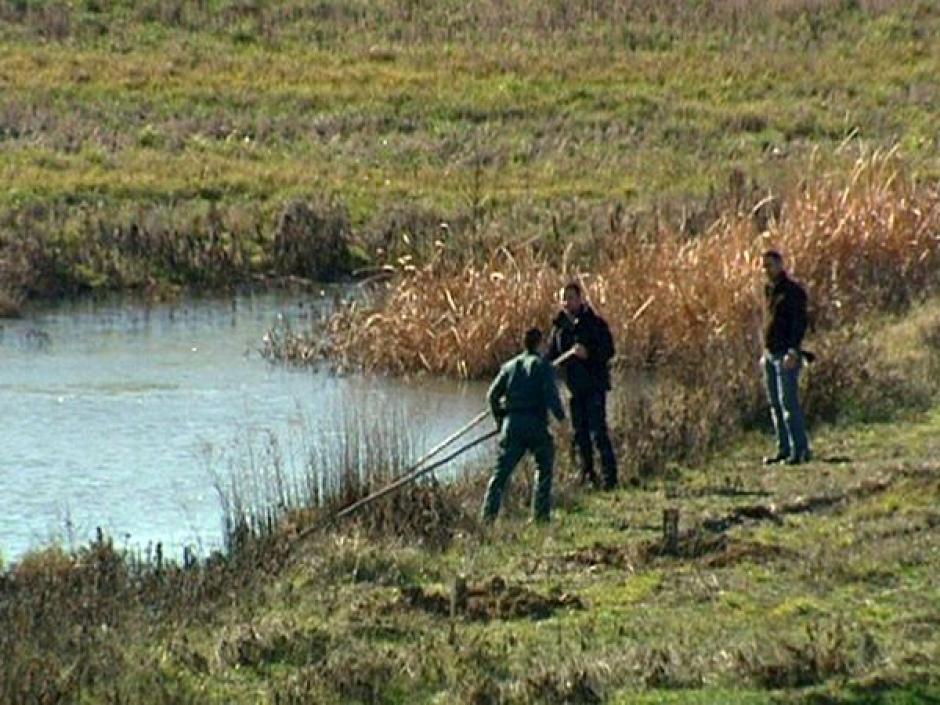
580	351
790	360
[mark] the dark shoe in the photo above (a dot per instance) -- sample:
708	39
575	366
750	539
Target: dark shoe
774	459
800	459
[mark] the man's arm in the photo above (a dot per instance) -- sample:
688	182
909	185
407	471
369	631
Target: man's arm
559	324
494	396
604	342
796	317
552	398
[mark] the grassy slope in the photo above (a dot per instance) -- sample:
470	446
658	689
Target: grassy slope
151	112
691	629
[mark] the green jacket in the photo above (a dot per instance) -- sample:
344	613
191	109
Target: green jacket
525	385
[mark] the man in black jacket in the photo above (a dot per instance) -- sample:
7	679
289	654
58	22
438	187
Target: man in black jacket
587	375
782	360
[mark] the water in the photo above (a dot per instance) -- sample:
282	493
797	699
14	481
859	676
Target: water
116	415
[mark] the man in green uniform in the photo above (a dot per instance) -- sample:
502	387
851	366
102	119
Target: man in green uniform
520	398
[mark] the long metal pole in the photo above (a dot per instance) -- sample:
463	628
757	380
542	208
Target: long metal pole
405	479
416	471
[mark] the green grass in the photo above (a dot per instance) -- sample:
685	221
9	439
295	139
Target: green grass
512	117
592	123
665	630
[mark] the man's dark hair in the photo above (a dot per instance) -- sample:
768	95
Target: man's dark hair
575	287
533	338
774	255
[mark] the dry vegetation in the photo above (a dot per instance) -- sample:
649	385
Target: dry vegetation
863	243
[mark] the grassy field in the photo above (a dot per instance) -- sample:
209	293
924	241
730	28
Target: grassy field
203	121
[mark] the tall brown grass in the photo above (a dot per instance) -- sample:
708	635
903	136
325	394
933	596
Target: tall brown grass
865	242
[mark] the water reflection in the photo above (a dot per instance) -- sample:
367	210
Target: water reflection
108	412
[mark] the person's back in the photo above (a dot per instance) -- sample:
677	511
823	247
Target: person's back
520	398
530	389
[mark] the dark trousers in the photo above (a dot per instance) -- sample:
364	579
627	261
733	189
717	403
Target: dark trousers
522	433
589	421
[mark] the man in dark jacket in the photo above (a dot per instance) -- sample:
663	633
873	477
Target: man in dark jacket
782	360
520	398
587	375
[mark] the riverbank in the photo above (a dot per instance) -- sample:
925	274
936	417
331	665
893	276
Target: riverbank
802	586
204	145
797	585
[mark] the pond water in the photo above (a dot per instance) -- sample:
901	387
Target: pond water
119	415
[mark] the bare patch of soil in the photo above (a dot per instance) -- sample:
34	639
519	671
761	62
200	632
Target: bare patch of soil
492	599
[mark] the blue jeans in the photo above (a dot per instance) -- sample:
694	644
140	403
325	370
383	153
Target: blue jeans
783	393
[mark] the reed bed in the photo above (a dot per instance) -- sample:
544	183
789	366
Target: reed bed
860	244
57	250
274	486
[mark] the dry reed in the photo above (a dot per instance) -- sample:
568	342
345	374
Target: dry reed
868	242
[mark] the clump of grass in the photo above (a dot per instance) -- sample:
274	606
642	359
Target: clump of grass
573	686
283	344
664	667
312	241
10	304
446	315
351	674
668	421
822	655
270	642
362	451
930	337
852	380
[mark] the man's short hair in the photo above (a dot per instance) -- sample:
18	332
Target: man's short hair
533	338
774	255
573	286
